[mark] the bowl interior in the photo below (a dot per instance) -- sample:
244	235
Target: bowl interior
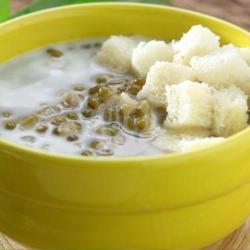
97	20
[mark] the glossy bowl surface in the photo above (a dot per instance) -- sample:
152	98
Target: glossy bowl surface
175	201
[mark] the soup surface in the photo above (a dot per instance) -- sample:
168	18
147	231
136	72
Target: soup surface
48	101
126	95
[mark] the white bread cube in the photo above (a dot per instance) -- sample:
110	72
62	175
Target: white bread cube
147	53
172	142
126	99
198	41
223	68
189	105
116	53
245	53
160	75
230	111
167	142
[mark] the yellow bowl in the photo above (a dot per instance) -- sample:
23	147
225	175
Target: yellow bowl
185	200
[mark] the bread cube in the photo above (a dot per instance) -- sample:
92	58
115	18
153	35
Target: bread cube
172	142
198	41
167	142
230	111
223	68
160	75
189	105
147	53
116	53
126	99
245	54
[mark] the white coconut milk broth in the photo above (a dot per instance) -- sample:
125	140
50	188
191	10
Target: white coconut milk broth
35	80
